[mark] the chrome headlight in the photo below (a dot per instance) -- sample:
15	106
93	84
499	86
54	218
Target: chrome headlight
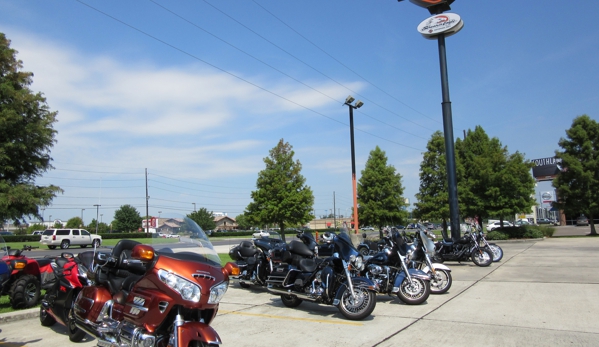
217	292
357	262
188	290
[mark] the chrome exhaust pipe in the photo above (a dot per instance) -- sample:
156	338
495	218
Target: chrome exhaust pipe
290	292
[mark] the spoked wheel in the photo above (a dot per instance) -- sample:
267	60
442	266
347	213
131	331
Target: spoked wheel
414	292
497	252
359	307
75	334
364	251
290	300
441	281
482	257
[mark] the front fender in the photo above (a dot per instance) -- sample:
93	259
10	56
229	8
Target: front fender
192	331
357	282
437	266
413	273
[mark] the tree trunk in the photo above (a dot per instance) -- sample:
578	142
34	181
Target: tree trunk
282	228
592	222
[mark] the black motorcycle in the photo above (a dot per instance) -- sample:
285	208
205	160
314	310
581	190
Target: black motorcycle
466	248
253	260
419	257
370	247
495	249
300	276
389	270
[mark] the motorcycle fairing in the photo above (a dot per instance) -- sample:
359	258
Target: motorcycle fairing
196	331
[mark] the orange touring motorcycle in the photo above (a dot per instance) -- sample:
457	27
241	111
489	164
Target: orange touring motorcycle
146	297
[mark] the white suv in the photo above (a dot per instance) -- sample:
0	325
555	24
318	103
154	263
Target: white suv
67	237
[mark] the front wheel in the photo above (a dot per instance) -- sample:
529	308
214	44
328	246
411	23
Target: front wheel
290	300
441	281
414	292
96	243
497	252
482	257
45	318
75	334
359	307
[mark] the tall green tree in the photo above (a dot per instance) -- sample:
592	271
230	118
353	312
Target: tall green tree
491	182
578	183
282	196
242	222
380	192
204	218
74	223
26	137
126	219
433	195
102	227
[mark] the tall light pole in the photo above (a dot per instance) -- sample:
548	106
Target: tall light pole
358	104
440	26
101	214
194	206
50	220
43	209
82	224
159	212
97	213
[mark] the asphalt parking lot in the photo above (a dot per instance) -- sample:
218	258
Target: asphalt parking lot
542	293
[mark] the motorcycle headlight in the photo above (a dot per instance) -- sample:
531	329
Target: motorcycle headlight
217	292
187	289
357	262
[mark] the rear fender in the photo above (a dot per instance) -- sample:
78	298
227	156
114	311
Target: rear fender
437	266
196	331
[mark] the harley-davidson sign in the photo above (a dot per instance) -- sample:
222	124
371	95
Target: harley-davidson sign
448	23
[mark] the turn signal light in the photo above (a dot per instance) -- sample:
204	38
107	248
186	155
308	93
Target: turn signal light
143	253
231	269
19	265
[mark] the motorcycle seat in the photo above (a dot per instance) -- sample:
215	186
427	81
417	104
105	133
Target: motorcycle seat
447	243
299	248
308	265
43	262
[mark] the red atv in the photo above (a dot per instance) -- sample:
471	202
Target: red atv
28	276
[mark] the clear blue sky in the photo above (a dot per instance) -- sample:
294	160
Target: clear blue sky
198	92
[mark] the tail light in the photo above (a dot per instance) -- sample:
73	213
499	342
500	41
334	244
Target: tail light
53	237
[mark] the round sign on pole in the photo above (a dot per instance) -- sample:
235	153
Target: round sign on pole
446	23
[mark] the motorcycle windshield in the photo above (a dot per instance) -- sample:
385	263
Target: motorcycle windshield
344	246
429	245
181	237
3	249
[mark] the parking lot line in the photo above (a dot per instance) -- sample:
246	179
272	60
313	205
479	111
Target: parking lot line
290	318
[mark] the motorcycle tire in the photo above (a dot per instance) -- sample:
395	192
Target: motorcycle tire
441	281
291	301
414	292
437	258
25	292
201	344
363	250
75	334
497	252
45	318
484	259
360	308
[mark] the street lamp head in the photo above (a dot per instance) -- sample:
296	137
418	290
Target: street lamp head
359	104
349	99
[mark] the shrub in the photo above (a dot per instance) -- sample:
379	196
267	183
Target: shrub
497	235
533	233
547	230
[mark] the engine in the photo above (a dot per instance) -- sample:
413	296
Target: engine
379	275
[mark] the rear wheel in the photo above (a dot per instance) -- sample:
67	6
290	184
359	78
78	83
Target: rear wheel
414	292
441	281
290	300
359	307
363	251
96	243
45	318
482	257
25	292
65	244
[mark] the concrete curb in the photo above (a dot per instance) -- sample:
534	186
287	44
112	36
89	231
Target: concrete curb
19	315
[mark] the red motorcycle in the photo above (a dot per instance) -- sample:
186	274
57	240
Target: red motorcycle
148	297
70	277
28	276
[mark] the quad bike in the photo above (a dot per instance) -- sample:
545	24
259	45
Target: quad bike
27	277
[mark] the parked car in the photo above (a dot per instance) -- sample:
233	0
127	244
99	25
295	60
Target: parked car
368	228
522	222
582	221
6	233
496	225
546	221
67	237
37	232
